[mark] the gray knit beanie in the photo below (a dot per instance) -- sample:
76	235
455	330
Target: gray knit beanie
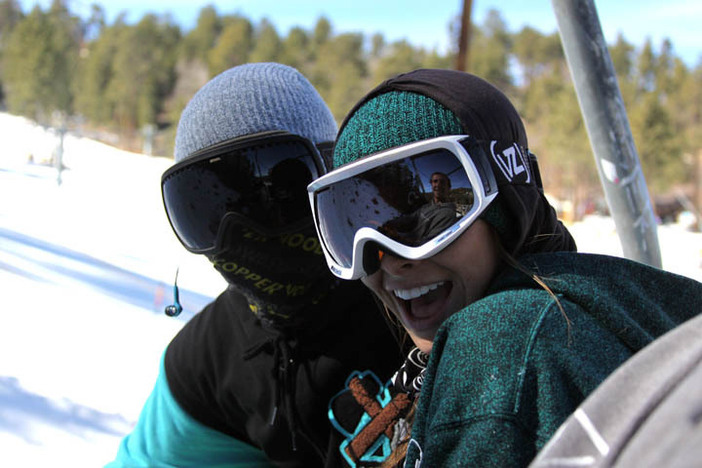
253	98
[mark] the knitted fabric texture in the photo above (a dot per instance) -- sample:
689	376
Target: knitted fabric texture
253	98
393	119
510	363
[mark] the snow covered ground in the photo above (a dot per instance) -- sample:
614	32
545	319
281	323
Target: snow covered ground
86	268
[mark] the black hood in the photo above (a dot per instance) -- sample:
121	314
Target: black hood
487	114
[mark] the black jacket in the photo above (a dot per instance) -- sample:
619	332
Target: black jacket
271	389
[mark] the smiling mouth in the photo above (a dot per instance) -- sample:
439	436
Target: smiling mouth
425	305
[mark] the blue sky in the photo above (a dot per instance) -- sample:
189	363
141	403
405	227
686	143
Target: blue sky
425	22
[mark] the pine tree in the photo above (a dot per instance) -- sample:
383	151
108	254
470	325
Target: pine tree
659	150
339	72
39	62
10	15
489	51
295	49
144	71
233	46
267	45
198	42
96	71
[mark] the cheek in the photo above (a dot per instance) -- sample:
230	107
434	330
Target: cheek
482	272
372	282
473	258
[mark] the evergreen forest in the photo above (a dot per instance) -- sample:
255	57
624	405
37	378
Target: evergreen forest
127	82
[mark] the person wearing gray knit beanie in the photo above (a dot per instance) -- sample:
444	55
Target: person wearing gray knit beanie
247	144
247	380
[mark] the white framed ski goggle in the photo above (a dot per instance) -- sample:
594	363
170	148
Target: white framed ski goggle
412	200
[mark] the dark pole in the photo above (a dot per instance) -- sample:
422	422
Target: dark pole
58	152
463	55
608	129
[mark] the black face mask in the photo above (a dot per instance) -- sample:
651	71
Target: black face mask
284	277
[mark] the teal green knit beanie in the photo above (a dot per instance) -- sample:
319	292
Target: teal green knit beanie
398	118
393	119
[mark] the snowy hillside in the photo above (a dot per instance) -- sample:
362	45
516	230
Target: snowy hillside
86	268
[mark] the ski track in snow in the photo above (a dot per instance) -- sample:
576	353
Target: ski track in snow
86	268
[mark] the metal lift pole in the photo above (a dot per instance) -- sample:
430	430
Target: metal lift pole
608	129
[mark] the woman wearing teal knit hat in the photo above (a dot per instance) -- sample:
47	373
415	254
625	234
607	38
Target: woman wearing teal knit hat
512	327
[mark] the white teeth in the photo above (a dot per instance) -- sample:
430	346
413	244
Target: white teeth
409	294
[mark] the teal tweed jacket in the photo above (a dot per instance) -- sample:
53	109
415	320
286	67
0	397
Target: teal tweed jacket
507	370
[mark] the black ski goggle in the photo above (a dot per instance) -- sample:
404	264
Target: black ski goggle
259	179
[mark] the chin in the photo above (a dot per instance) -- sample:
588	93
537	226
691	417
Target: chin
424	345
424	340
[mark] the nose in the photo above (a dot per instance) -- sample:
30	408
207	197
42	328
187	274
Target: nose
395	265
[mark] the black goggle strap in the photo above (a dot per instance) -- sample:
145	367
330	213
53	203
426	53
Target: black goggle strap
502	162
476	151
250	141
372	255
326	151
534	164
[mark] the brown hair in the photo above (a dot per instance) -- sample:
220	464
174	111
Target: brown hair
507	258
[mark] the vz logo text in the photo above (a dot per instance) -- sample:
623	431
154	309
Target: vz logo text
511	162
